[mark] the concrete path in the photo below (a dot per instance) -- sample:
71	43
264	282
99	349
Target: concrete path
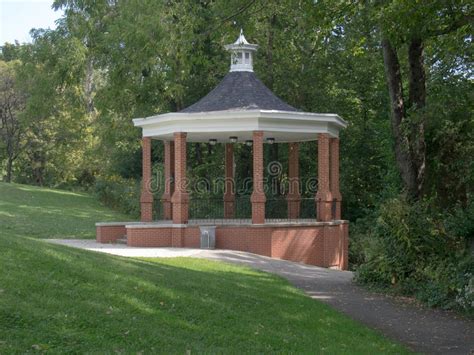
420	328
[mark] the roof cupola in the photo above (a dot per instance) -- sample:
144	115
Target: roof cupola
241	58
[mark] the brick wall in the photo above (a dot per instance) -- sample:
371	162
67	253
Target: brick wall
321	245
149	237
110	233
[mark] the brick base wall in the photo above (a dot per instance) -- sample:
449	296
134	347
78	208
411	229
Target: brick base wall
149	237
110	233
322	245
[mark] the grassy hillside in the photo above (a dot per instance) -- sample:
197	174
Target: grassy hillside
47	213
59	299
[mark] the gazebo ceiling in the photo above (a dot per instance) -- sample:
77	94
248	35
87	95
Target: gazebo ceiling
239	105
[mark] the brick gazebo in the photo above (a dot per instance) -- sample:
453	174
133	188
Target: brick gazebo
242	109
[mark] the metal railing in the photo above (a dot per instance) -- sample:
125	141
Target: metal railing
212	209
206	208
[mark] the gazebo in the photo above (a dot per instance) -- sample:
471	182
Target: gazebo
241	109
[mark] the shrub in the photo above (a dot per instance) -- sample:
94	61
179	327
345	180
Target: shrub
120	194
414	249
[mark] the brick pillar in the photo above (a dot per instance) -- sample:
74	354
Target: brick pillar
169	175
180	197
229	188
344	246
323	196
334	179
294	195
258	195
146	198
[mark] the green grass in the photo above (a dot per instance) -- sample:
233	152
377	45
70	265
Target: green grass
48	213
56	299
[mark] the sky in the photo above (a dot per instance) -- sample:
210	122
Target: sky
18	17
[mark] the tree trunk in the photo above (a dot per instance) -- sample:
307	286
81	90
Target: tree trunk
417	101
8	177
198	153
402	144
269	55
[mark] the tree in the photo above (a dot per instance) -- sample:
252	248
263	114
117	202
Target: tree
406	25
12	102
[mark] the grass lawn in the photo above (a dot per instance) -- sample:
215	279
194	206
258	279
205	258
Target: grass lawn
47	213
58	299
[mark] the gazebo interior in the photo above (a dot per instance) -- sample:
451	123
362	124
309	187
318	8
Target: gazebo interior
242	110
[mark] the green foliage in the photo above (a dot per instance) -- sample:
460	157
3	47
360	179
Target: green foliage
120	194
413	249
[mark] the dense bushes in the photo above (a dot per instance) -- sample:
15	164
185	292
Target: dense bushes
415	250
119	193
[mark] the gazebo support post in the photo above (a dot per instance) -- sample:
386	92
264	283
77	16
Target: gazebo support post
146	198
294	195
258	195
334	181
169	185
323	196
180	198
229	184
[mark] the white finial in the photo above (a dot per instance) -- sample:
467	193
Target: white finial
241	54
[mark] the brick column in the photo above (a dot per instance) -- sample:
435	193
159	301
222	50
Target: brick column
258	195
169	175
323	196
294	196
229	187
180	198
146	198
334	179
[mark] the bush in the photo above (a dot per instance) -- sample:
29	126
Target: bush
120	194
416	250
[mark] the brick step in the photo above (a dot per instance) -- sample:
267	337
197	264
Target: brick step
122	240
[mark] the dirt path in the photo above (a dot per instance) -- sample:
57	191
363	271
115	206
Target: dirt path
422	329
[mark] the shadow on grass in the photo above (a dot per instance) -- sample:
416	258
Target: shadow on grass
64	299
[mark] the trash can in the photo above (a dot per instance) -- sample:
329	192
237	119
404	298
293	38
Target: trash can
208	237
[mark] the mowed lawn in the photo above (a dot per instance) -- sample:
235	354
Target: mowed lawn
47	213
55	299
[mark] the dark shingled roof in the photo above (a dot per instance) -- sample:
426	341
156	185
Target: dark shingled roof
239	90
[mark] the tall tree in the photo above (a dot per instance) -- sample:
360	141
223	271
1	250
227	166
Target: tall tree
408	26
12	103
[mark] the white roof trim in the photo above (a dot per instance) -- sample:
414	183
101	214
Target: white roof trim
229	114
285	125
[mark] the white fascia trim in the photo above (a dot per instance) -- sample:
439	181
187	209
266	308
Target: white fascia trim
241	114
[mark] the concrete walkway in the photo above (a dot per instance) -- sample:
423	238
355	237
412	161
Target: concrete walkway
422	329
